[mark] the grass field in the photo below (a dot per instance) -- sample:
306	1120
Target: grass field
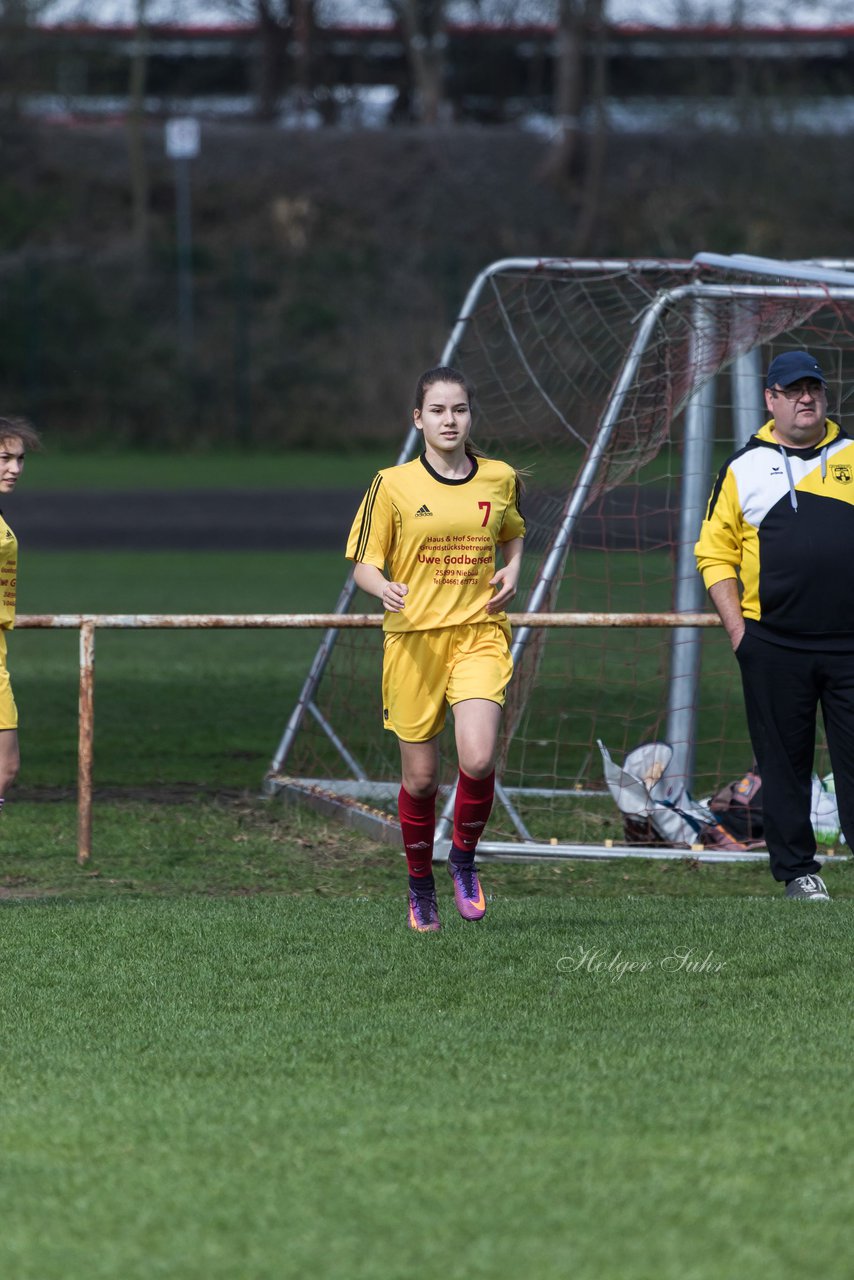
217	469
205	708
291	1084
242	469
224	1056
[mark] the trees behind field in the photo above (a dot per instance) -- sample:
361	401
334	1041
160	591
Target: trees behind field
329	266
286	49
448	61
329	263
18	52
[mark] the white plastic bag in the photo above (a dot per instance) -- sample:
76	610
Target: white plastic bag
824	812
642	789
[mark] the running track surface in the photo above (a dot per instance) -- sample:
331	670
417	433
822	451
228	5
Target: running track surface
276	520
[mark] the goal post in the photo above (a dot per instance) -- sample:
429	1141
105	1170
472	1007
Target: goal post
619	387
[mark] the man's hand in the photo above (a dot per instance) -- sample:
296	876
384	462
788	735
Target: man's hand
726	598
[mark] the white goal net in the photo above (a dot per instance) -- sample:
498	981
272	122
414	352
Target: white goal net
619	388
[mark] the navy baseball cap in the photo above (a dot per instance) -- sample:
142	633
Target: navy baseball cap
791	366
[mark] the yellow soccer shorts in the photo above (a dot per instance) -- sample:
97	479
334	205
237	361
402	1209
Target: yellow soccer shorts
8	710
424	672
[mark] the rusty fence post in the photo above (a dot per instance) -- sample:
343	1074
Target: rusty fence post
86	734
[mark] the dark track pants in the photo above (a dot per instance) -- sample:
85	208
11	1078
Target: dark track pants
783	689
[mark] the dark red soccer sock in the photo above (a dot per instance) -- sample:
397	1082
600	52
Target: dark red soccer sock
418	827
472	808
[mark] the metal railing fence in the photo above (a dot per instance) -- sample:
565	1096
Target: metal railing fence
87	624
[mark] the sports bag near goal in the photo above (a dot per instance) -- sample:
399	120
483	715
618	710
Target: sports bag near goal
738	808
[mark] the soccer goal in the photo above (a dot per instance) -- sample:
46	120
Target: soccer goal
619	387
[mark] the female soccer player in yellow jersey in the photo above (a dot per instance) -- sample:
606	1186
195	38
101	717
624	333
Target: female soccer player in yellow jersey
435	525
16	437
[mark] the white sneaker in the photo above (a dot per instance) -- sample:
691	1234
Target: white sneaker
810	887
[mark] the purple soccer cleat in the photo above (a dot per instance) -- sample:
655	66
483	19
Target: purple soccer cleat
423	910
468	894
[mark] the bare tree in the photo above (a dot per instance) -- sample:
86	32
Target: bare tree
136	130
577	155
597	136
422	24
274	23
17	52
572	41
286	47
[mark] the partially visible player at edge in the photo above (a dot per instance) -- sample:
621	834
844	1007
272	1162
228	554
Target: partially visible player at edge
435	524
16	437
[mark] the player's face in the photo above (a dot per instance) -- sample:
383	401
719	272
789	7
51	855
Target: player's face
445	417
799	412
11	463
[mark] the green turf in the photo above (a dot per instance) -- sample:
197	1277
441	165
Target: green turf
218	469
224	1055
181	841
195	707
208	708
57	469
289	1086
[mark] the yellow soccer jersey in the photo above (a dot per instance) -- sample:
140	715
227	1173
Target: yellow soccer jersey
439	537
8	575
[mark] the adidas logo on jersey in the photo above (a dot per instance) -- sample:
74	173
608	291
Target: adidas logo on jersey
424	511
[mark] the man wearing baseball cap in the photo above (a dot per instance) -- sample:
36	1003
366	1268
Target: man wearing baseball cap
776	551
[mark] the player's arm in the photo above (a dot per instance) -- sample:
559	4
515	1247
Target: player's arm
372	580
506	579
368	547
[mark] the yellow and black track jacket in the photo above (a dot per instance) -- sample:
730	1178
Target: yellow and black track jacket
782	521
